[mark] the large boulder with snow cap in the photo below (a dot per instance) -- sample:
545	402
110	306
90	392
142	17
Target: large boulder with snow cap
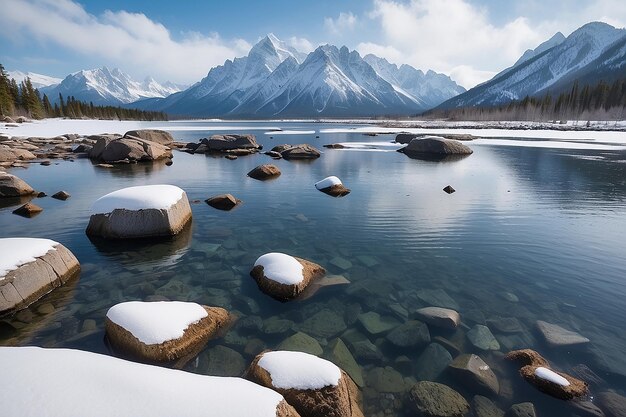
152	135
62	382
12	186
435	146
332	186
140	212
31	268
162	330
284	277
313	386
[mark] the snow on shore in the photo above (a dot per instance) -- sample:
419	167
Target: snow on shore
72	383
156	322
17	251
139	198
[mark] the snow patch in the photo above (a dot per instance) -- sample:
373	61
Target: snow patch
156	322
139	198
549	375
327	182
72	383
17	251
299	370
291	132
281	268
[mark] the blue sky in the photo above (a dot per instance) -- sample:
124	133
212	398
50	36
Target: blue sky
470	40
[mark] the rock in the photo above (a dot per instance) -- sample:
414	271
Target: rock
375	324
484	407
15	154
326	281
432	362
410	334
136	328
12	186
83	148
46	163
7	119
224	361
448	189
475	373
505	324
437	298
435	145
334	146
613	404
169	163
311	385
264	172
302	151
61	195
454	347
430	399
405	138
536	370
556	336
53	266
340	355
325	323
481	338
114	150
104	165
279	284
276	325
151	135
440	317
231	157
28	210
223	202
221	143
341	263
366	350
274	154
385	379
332	186
140	212
585	409
522	410
301	342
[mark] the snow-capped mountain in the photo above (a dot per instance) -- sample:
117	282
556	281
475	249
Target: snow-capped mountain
37	80
593	52
275	79
555	40
107	87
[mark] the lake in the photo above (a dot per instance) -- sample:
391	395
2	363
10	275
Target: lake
533	232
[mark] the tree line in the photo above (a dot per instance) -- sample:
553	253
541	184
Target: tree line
602	101
24	100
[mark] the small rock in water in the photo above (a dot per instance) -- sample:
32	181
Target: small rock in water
432	399
223	202
481	337
325	323
437	298
509	296
410	334
448	189
385	380
440	317
28	210
375	324
41	194
231	157
341	356
61	195
432	362
169	163
475	373
557	336
46	308
224	361
484	407
45	163
301	342
341	263
522	410
505	324
613	403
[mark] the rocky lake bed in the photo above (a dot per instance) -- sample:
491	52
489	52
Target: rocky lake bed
502	295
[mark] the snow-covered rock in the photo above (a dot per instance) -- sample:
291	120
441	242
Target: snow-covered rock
284	277
138	212
313	386
332	186
550	375
162	330
72	383
31	268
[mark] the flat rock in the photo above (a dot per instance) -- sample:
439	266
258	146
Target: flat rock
224	361
301	151
28	210
475	373
431	399
410	334
301	342
481	337
341	263
522	410
505	324
152	135
221	143
436	146
613	404
374	324
440	317
385	379
325	323
557	336
432	362
437	298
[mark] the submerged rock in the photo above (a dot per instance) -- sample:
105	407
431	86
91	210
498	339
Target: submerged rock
431	399
475	373
440	317
340	355
484	407
432	362
324	324
481	337
557	336
410	334
301	342
522	410
385	379
612	403
374	324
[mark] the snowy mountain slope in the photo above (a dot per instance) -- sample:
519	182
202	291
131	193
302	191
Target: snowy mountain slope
107	87
37	80
580	50
555	40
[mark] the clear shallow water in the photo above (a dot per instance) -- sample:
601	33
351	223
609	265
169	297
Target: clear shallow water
544	225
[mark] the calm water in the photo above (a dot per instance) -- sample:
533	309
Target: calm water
531	233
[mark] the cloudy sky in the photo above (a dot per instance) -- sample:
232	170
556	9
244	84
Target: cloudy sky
470	40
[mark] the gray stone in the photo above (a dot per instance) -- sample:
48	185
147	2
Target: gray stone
522	410
440	317
484	407
264	172
12	186
341	263
374	324
430	399
475	373
325	324
230	142
557	336
437	146
152	135
302	151
301	342
111	150
385	380
505	324
437	298
613	404
339	354
410	334
481	337
223	361
432	362
585	409
276	325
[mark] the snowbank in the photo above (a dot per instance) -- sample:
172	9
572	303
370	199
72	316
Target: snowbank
72	383
142	197
17	251
156	322
327	182
291	132
549	375
299	370
281	268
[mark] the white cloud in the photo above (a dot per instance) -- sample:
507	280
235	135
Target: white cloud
129	40
446	35
301	44
468	76
344	23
